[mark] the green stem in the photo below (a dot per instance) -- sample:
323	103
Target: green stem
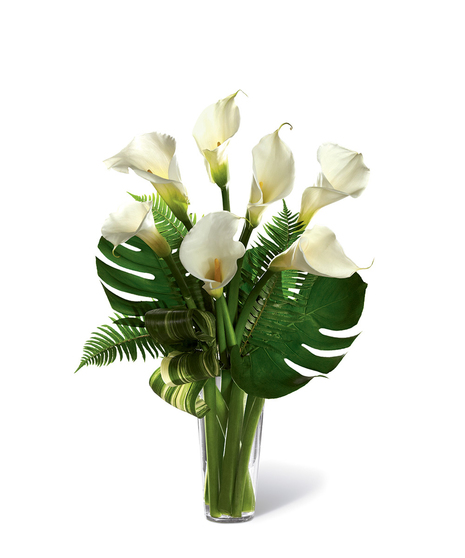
249	303
225	332
233	292
211	440
222	308
234	430
243	466
180	280
220	333
225	198
232	449
187	222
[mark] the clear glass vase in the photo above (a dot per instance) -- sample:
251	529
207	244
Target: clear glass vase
230	453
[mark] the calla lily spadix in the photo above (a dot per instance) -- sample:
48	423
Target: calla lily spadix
135	219
212	132
209	251
317	252
273	174
343	173
152	156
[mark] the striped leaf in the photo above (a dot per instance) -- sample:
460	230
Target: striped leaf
174	326
182	368
185	397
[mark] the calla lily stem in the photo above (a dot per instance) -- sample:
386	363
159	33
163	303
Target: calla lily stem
225	197
211	437
180	280
249	430
222	308
187	223
233	292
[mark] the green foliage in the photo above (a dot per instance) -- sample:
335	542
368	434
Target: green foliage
162	287
179	325
184	397
290	312
283	230
169	226
191	331
284	323
190	366
128	337
119	340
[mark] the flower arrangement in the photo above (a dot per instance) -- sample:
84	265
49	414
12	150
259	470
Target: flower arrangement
226	318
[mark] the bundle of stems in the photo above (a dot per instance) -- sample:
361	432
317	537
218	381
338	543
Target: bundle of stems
232	421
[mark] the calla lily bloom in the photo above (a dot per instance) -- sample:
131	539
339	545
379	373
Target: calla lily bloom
135	219
343	174
273	175
209	251
318	252
316	197
152	156
344	169
212	132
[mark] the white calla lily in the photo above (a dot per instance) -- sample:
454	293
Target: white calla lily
152	156
209	251
343	174
316	197
135	219
212	132
318	252
273	174
344	169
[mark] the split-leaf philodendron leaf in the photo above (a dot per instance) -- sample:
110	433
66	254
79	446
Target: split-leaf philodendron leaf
277	330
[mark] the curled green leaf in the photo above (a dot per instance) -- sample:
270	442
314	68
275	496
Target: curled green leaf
175	326
181	368
185	397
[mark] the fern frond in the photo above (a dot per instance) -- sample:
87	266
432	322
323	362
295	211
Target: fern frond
282	232
118	340
169	226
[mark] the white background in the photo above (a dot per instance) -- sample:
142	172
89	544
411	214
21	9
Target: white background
368	463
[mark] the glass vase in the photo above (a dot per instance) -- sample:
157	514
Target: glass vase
230	452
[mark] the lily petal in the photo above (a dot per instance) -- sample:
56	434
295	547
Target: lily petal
317	252
273	174
317	196
212	238
152	156
135	219
344	169
212	132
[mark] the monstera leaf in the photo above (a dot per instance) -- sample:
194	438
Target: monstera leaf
278	331
288	316
141	258
137	257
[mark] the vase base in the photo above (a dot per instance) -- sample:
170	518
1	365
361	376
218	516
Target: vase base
246	516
